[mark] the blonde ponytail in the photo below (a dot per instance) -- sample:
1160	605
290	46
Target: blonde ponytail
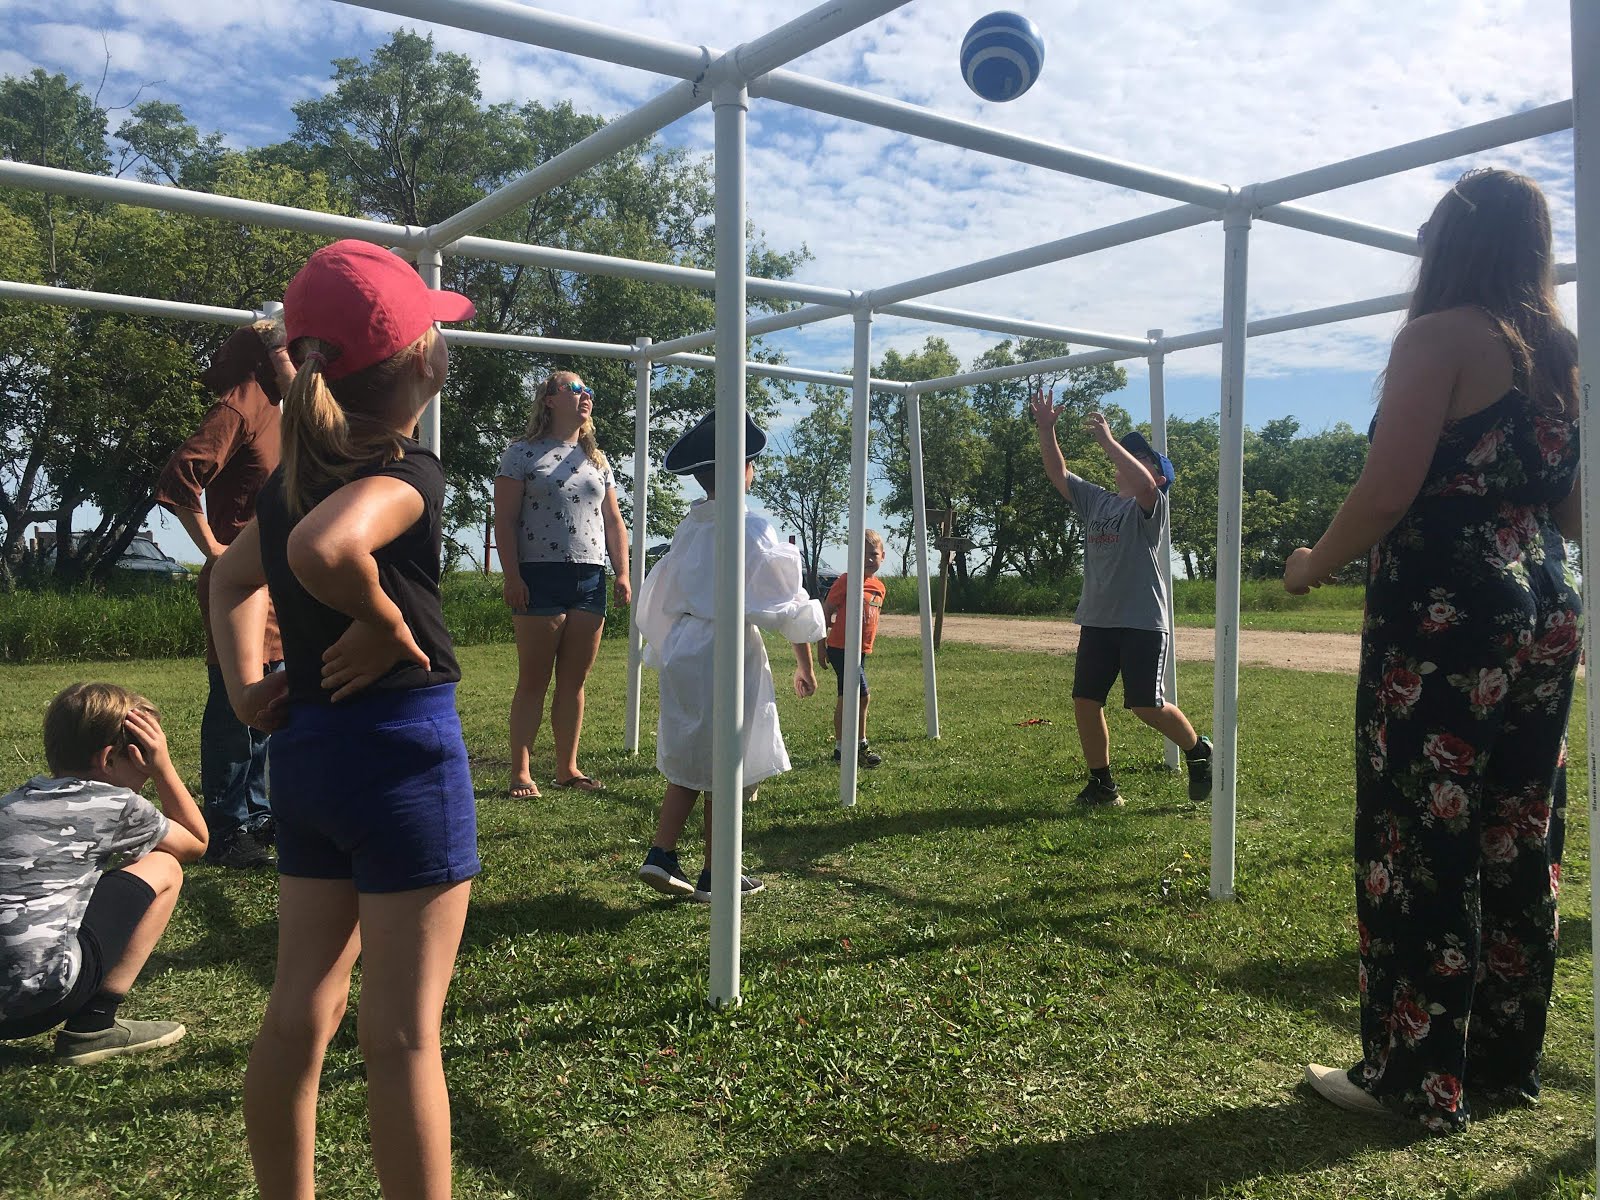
332	429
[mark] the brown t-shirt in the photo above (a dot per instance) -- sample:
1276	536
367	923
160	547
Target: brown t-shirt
228	458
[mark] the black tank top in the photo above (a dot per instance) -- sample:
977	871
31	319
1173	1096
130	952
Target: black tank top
408	570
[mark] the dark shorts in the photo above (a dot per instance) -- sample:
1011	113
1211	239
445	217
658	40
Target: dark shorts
560	587
836	661
1138	655
376	790
118	904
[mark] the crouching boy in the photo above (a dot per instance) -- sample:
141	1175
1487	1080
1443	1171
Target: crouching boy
89	875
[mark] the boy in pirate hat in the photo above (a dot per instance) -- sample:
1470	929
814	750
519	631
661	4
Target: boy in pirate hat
677	617
1123	610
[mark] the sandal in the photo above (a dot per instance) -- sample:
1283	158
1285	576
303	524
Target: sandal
523	791
582	782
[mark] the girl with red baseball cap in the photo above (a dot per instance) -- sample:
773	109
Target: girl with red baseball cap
376	833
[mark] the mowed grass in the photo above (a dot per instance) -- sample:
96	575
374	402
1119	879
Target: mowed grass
961	988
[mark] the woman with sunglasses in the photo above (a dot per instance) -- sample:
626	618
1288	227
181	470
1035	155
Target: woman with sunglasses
556	520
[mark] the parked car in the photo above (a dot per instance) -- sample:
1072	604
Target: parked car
142	559
826	578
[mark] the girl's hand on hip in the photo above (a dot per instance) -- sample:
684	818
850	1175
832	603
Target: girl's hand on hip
365	653
264	705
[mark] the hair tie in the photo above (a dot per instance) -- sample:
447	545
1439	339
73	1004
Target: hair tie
316	356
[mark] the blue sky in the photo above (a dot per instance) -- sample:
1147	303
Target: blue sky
1231	93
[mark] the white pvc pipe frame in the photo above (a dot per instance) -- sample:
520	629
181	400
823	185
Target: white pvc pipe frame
754	69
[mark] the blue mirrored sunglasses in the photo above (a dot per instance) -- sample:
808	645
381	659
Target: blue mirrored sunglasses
571	385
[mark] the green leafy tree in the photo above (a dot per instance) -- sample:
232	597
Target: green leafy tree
406	136
805	479
92	403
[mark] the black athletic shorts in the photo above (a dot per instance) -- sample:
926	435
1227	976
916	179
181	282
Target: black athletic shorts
836	661
118	904
1139	655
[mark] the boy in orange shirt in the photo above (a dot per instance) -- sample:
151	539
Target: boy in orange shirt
833	613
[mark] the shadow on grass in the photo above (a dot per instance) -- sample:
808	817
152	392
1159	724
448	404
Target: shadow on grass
795	846
1181	1159
482	1142
216	907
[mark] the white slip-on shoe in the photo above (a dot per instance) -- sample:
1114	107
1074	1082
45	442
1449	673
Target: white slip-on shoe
1333	1085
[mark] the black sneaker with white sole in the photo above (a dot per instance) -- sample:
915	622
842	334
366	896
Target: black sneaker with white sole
1200	773
747	886
1097	795
662	872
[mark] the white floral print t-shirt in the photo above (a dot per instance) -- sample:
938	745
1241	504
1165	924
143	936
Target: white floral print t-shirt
562	496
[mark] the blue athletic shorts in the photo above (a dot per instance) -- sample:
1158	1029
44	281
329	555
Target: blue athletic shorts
375	790
559	587
836	661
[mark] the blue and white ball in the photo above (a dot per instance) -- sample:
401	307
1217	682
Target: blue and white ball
1002	55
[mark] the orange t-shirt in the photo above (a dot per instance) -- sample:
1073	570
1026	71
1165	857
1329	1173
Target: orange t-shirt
872	592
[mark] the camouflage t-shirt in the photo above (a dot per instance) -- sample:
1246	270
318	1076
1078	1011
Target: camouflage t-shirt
57	837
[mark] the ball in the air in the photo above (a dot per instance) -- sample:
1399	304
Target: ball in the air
1002	55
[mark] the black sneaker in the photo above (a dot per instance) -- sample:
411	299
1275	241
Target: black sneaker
836	756
747	886
1200	774
1096	794
662	872
240	851
868	757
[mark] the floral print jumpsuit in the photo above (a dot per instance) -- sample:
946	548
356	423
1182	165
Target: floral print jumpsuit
1468	654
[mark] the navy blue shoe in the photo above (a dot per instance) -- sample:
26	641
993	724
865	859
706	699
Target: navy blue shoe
747	886
662	872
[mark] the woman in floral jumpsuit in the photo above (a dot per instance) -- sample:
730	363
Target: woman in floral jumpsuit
1468	654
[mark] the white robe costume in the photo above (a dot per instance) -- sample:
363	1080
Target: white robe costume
676	618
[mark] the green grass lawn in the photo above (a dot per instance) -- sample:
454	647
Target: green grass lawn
1298	620
962	988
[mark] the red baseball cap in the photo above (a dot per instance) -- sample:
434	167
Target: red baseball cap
365	300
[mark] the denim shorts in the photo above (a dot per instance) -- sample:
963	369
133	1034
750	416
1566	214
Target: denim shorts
836	661
376	790
560	587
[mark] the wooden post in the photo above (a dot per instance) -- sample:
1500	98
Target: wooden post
945	524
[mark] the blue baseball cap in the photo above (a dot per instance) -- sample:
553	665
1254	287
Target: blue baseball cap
1137	444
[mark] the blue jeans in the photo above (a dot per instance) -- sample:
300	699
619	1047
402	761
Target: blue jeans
233	764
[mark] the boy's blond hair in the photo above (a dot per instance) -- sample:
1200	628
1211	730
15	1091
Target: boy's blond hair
874	538
83	720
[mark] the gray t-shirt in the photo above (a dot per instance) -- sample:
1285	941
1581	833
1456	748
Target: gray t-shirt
57	837
1123	584
562	493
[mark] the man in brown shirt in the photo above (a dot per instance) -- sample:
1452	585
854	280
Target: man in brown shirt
228	459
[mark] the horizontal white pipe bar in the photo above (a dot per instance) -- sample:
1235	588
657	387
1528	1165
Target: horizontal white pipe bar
139	306
1311	317
536	345
789	41
643	122
1033	329
520	23
1531	123
1360	232
775	371
204	204
1149	225
583	263
1087	358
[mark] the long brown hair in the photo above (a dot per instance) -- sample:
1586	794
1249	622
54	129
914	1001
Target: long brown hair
1488	246
333	428
539	421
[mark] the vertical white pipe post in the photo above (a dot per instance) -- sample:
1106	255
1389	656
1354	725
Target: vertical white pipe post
1230	505
912	399
430	265
1158	439
729	104
641	506
855	558
1586	206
